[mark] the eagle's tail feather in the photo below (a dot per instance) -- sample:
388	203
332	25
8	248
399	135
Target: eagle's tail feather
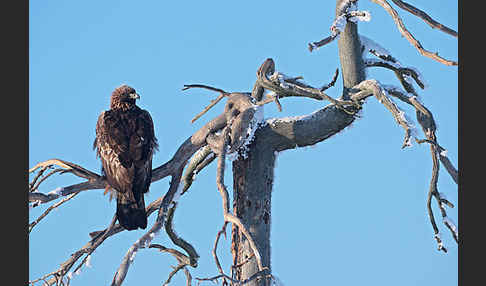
130	210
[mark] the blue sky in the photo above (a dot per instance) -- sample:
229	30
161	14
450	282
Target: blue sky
349	210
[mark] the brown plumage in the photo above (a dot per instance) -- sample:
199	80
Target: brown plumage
125	142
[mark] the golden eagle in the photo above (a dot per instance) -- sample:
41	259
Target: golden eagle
125	141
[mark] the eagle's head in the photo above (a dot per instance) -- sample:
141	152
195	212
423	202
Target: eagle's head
123	97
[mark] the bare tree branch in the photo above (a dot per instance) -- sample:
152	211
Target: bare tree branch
285	87
424	117
145	240
49	209
403	30
259	275
191	252
426	120
343	16
183	259
228	217
213	102
424	16
380	93
400	71
199	161
76	169
95	181
215	247
34	186
333	81
223	134
87	249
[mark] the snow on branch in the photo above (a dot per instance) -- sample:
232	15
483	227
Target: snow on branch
426	120
374	87
348	13
376	49
386	60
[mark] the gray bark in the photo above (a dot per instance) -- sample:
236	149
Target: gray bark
253	176
252	200
349	46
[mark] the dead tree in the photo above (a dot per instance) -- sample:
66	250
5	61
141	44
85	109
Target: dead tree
252	144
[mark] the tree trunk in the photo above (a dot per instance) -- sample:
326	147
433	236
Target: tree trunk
253	176
252	201
349	47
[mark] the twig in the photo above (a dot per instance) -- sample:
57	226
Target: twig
243	262
215	247
98	242
86	249
338	25
403	30
323	42
271	97
433	192
76	169
333	81
188	86
399	71
188	276
213	102
412	100
258	275
65	191
181	258
277	102
48	210
177	254
39	174
424	16
36	186
449	167
426	120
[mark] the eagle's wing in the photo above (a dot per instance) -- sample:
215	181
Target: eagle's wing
112	144
143	144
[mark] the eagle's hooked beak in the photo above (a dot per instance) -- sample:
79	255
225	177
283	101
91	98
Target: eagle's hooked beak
134	95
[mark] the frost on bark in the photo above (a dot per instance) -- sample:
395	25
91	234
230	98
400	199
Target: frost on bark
252	144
